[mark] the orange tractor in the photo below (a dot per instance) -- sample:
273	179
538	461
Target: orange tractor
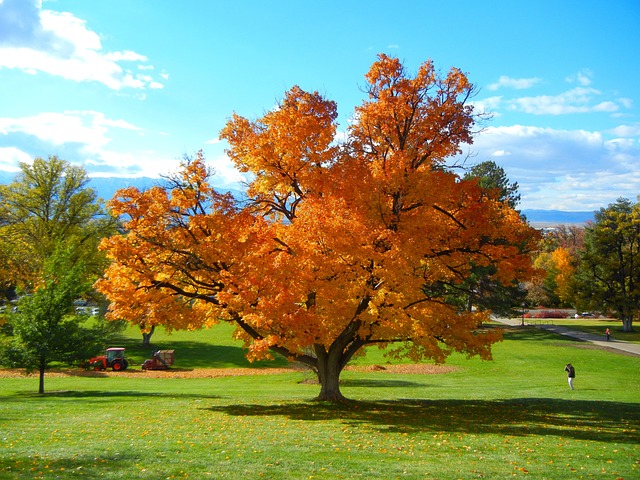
114	359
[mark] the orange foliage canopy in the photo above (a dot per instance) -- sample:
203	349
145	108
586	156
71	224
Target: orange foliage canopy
335	248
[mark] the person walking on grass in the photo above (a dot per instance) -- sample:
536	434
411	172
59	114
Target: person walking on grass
571	374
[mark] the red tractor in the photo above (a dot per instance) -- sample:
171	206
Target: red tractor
114	359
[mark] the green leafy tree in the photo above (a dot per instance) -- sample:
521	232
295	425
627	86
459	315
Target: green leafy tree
481	289
50	227
49	204
492	177
609	273
44	327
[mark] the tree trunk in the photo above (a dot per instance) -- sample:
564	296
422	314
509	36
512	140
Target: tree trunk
329	369
146	336
41	368
627	324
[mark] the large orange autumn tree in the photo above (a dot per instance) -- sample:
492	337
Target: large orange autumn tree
342	244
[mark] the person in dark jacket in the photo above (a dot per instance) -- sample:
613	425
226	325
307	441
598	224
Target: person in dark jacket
571	374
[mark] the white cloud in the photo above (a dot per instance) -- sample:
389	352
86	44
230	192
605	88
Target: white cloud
59	43
86	134
85	137
516	83
88	128
576	100
127	55
110	163
563	169
605	107
626	102
626	130
582	78
487	105
226	174
500	153
11	157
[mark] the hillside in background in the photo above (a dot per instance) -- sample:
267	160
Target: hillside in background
106	188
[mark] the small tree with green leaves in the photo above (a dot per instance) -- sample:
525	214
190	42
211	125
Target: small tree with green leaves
45	329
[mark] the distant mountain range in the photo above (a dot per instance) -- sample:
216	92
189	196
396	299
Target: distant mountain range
107	187
557	217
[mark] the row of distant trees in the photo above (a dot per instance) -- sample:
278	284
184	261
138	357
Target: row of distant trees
594	267
374	241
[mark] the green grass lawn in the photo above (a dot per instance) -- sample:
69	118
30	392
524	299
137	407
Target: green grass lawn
512	417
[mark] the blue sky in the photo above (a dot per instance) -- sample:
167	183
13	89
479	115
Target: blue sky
127	87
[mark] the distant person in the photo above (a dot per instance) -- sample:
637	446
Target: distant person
607	333
571	374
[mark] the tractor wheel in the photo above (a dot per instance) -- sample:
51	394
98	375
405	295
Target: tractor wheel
117	366
125	364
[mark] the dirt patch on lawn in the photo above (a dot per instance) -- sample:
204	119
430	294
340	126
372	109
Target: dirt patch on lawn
422	369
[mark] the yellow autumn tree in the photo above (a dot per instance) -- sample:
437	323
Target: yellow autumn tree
564	271
342	244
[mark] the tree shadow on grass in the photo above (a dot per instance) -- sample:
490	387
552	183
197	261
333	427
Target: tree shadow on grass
378	383
80	465
102	394
584	420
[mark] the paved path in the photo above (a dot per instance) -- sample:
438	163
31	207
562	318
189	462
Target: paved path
600	340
